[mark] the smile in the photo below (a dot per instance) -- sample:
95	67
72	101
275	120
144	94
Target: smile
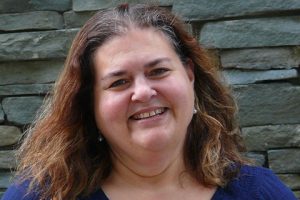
152	113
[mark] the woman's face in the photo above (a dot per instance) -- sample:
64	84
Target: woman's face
143	95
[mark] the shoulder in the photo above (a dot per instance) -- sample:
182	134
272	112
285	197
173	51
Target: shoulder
19	191
257	183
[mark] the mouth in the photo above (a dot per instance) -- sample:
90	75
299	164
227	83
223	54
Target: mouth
145	115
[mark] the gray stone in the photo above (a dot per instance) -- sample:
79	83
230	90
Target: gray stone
297	194
29	72
76	19
262	138
258	158
36	45
21	110
215	9
7	159
266	104
32	89
5	179
245	77
291	180
264	58
9	135
1	114
284	160
40	20
260	32
87	5
9	6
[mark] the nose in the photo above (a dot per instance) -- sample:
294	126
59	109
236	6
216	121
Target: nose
143	91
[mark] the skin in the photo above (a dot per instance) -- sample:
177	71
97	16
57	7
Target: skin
138	74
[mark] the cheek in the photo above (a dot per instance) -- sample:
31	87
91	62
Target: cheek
110	108
179	91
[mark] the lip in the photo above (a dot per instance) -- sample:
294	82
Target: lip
157	111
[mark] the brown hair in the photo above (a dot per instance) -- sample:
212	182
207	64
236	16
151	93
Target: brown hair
62	151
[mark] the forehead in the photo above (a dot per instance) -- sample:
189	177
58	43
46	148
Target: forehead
134	46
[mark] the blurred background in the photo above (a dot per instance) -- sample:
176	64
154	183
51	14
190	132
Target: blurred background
256	43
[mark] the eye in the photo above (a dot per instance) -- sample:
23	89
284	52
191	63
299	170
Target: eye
157	72
119	83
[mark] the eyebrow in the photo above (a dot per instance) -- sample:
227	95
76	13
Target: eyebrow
150	64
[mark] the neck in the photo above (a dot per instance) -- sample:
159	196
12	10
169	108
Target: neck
155	174
157	169
159	180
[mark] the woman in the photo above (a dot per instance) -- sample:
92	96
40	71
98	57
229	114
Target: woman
138	113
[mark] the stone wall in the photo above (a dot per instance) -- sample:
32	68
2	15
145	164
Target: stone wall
256	42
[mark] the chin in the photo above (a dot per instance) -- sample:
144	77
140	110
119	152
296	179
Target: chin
156	140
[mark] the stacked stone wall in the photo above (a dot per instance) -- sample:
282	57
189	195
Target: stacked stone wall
256	43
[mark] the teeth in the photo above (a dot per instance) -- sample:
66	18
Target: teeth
149	114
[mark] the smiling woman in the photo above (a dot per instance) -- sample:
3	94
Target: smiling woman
138	113
150	108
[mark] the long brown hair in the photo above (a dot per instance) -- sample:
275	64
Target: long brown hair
61	153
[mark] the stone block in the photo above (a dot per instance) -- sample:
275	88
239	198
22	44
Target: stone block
36	45
1	114
284	160
87	5
21	110
267	104
261	59
9	135
32	89
291	180
17	6
7	159
29	72
235	76
76	19
262	138
258	158
5	179
40	20
297	194
215	9
248	33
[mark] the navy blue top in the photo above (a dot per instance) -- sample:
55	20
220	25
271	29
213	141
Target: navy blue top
252	183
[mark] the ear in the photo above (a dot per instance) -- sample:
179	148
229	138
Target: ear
189	66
